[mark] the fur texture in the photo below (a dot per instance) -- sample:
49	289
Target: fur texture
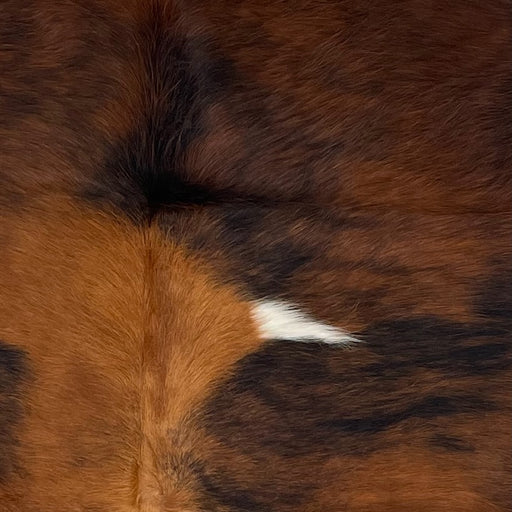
277	320
177	176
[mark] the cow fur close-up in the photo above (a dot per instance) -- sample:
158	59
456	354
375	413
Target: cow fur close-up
256	256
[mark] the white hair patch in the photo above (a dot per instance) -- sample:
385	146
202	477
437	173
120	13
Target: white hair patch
280	320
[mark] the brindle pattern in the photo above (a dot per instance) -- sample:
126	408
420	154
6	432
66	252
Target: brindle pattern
421	381
162	162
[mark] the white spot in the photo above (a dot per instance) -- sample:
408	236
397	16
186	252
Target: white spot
278	320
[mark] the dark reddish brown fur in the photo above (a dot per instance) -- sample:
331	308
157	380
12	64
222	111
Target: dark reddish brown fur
163	163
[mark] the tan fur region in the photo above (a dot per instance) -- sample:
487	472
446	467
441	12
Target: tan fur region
195	331
125	335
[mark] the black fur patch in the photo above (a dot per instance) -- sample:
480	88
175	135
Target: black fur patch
430	407
222	490
13	372
269	256
146	170
451	443
495	302
243	491
428	342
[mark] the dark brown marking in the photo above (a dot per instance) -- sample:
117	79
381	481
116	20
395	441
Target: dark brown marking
451	443
181	76
13	373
